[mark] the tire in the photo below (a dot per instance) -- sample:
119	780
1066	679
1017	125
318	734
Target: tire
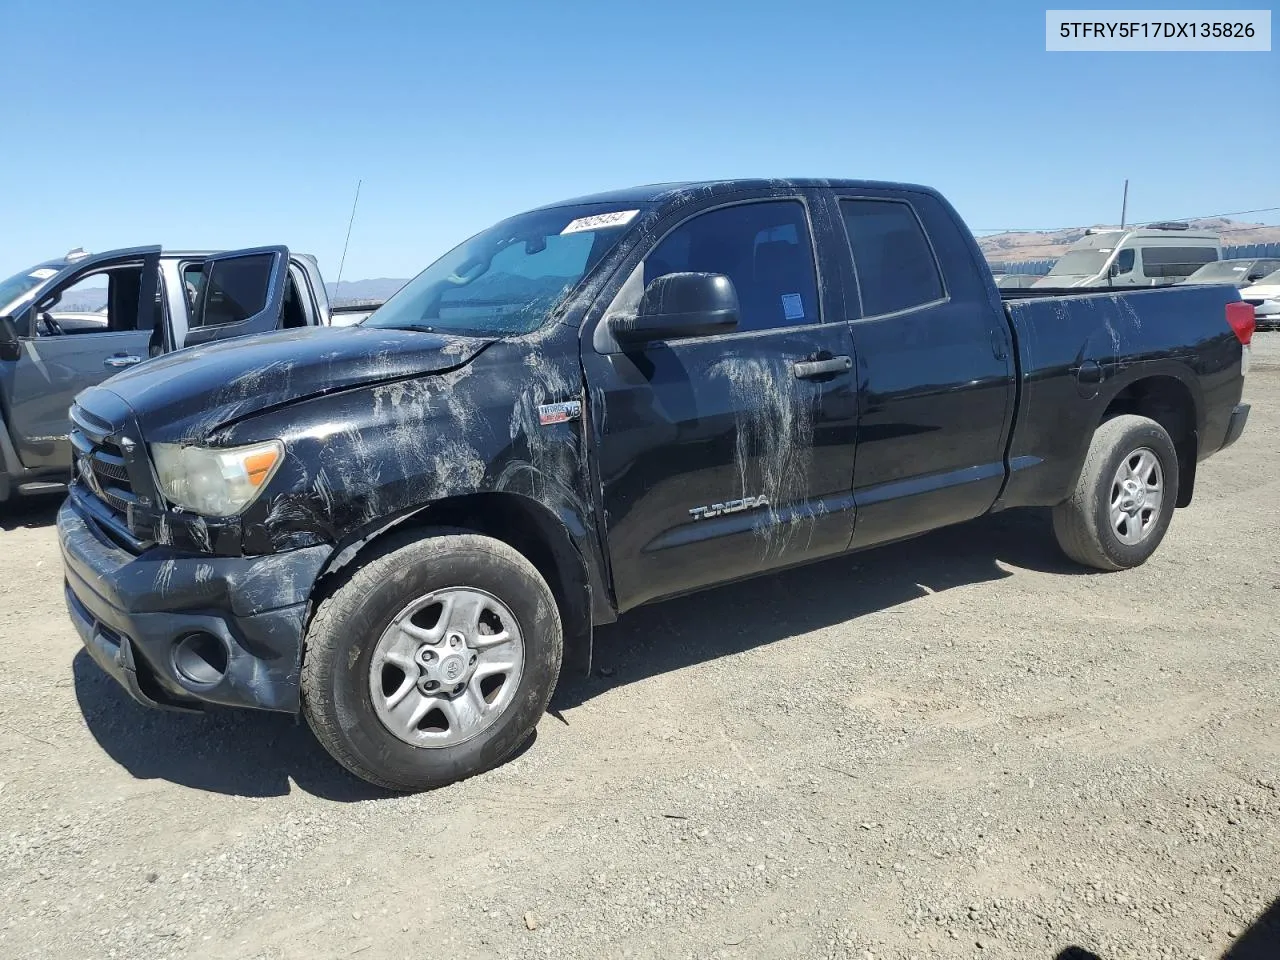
365	616
1083	522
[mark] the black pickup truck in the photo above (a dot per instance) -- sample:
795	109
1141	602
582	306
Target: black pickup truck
403	528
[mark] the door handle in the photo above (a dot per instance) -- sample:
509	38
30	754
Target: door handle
121	360
811	369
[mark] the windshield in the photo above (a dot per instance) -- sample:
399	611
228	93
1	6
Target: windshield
22	283
1270	280
507	279
1079	263
1222	271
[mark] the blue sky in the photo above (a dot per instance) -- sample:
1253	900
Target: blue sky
250	123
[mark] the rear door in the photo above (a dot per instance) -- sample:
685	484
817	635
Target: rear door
54	362
934	366
726	455
242	292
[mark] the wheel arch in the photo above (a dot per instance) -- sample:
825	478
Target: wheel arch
524	524
1170	402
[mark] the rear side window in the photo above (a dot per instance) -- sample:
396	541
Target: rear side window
1175	262
762	247
192	281
236	289
896	267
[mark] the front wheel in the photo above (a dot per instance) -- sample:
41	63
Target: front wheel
1125	496
433	661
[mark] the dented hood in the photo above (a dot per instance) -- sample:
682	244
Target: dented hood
187	394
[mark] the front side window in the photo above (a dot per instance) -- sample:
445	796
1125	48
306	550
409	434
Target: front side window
763	248
87	295
508	279
236	289
895	264
1124	262
103	301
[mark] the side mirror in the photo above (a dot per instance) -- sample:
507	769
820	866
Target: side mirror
680	305
9	349
1113	271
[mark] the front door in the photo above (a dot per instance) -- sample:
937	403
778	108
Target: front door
726	455
91	325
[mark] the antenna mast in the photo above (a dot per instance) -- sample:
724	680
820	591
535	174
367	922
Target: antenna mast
1124	204
343	262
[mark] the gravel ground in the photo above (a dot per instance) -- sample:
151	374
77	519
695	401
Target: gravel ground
960	746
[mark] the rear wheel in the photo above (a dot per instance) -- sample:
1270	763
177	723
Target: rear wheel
433	661
1125	496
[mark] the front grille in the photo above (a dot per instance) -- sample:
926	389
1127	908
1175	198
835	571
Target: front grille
102	469
99	463
113	480
109	466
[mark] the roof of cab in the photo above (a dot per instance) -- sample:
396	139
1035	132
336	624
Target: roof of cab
1110	238
666	192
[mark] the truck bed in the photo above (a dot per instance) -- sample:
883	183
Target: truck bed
1078	347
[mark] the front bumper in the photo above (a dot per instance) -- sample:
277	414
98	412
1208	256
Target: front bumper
133	611
1235	426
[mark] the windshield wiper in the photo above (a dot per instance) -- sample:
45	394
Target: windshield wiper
473	333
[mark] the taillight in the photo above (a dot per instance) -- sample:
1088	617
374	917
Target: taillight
1241	319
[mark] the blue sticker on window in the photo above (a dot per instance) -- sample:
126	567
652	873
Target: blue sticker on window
793	306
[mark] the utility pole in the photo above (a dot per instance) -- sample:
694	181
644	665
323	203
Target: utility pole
1124	204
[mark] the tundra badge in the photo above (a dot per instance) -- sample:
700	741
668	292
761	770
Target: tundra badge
729	506
549	413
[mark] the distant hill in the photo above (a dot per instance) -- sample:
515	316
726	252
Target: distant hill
1051	244
356	291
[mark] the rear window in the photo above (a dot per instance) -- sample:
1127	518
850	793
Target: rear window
895	264
1176	262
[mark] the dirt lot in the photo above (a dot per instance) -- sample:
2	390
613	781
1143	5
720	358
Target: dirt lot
956	747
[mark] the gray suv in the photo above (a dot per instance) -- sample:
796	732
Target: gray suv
143	302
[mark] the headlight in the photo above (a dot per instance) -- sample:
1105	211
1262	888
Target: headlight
215	481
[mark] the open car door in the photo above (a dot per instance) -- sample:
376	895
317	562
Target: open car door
68	342
242	292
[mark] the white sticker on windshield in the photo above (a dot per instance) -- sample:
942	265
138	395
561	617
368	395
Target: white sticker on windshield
793	306
600	221
44	273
